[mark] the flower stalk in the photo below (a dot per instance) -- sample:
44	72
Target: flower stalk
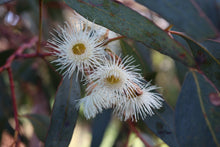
16	136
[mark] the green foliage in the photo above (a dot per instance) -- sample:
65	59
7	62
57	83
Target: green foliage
213	47
206	61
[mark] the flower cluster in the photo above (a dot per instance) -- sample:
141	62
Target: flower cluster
112	81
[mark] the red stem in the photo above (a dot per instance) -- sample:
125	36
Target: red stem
18	52
113	39
127	141
14	106
133	128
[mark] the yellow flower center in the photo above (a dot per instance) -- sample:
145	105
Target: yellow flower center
79	49
112	79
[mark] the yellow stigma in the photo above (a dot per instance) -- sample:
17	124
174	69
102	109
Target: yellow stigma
79	48
112	79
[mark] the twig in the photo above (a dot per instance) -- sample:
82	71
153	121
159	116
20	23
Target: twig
127	141
14	106
18	52
113	39
133	128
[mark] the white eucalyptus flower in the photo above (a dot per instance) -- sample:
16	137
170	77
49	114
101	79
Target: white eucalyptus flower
92	104
77	47
139	105
113	79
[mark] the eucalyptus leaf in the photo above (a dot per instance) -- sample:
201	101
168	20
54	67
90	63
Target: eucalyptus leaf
162	124
213	47
206	61
64	113
197	120
99	127
211	11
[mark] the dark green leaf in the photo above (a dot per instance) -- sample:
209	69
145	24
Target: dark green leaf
184	15
213	47
210	9
197	120
129	23
144	53
40	124
181	71
99	126
205	60
64	114
162	124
